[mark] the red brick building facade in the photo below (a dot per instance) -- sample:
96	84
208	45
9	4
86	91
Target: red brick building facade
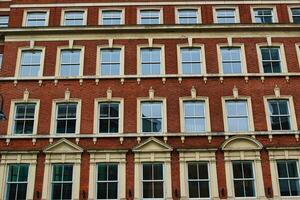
149	99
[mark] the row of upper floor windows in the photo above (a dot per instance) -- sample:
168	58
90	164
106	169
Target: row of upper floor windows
223	15
151	60
152	116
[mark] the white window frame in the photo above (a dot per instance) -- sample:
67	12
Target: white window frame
205	100
291	13
293	120
243	57
106	157
58	59
54	112
162	60
25	17
198	10
97	101
236	11
284	68
275	16
19	60
203	60
250	113
17	157
10	128
62	20
164	115
198	155
100	21
122	59
281	153
159	9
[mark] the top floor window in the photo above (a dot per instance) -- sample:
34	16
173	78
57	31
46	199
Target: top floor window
74	18
296	15
226	16
3	21
149	17
271	60
36	19
264	15
188	16
111	17
150	61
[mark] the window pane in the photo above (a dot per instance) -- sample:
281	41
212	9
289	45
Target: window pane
248	172
113	172
68	173
193	189
30	63
110	61
102	172
56	191
284	187
147	190
282	169
203	171
67	191
295	187
148	17
188	16
147	172
36	19
158	172
204	189
225	16
239	188
112	190
102	190
158	190
111	17
237	170
70	62
74	18
192	171
249	188
3	21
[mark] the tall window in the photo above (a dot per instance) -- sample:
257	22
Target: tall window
152	120
24	118
226	16
271	60
74	18
296	15
110	62
243	179
153	181
198	180
264	15
289	180
191	60
66	117
231	60
30	63
70	62
151	61
4	21
188	16
237	116
107	181
149	17
17	181
36	19
62	181
109	117
280	116
194	116
1	60
111	17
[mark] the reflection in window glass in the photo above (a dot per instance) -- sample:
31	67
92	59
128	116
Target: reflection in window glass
151	116
289	180
280	116
231	60
188	16
151	61
237	116
191	60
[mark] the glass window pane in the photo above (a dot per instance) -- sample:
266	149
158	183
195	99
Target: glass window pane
147	190
239	188
192	171
112	191
237	170
204	189
282	169
158	172
203	171
193	189
158	190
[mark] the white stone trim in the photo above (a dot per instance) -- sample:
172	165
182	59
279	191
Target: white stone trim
206	112
163	100
249	107
203	57
96	113
100	22
235	8
58	58
19	57
290	99
243	56
103	156
122	58
198	155
18	158
160	9
54	110
198	8
64	10
261	6
12	114
26	11
284	68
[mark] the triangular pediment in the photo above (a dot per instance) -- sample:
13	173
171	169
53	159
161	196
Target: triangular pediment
152	145
241	143
63	146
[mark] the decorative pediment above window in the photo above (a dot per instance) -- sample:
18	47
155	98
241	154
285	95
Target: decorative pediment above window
244	143
152	145
63	146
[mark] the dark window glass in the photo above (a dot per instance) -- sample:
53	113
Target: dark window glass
17	181
289	180
66	116
198	180
107	181
280	114
296	15
24	118
263	16
153	180
62	180
271	60
109	117
243	179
